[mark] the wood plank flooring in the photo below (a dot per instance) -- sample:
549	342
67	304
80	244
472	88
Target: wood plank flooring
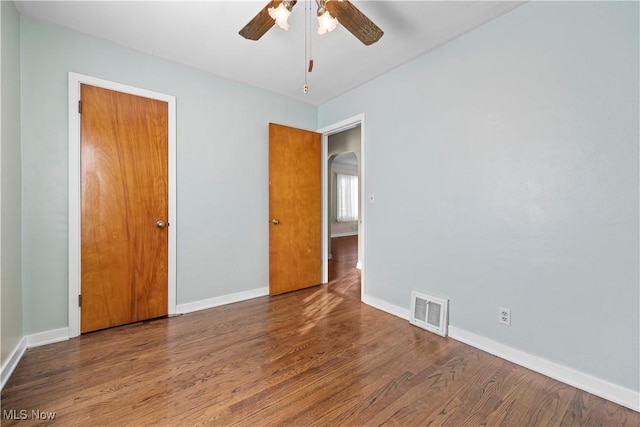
316	357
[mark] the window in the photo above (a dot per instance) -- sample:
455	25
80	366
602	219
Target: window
347	194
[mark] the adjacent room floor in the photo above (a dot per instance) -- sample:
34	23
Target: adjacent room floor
313	357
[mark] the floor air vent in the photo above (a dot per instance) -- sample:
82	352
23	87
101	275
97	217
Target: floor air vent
429	312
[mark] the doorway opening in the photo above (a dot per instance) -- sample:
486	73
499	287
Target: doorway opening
344	237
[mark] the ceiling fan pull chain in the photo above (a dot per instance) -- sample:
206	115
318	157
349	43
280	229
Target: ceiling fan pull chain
307	45
309	32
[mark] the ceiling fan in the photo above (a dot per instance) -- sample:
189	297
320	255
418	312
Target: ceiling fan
329	13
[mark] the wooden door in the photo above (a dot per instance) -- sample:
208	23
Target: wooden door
295	195
124	208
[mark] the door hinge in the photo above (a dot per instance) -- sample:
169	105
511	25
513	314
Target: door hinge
79	107
79	300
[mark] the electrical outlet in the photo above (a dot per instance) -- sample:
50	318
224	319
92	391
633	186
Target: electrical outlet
504	316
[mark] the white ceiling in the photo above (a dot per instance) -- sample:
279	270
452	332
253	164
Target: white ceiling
204	35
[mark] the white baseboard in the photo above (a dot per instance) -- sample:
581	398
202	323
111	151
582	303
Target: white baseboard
12	361
222	300
606	390
47	337
29	341
400	312
345	234
609	391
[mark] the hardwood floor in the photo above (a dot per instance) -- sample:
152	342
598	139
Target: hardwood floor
316	357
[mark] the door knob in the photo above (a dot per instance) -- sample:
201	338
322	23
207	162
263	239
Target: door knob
161	224
275	221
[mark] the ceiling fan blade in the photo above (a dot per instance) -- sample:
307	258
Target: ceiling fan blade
355	21
261	23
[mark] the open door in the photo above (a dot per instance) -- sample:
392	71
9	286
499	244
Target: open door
295	200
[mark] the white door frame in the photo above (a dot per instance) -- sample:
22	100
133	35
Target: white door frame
75	80
326	132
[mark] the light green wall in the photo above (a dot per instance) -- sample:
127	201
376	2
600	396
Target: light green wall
10	181
508	162
222	151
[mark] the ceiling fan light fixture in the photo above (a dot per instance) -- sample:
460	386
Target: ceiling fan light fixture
326	22
330	13
281	14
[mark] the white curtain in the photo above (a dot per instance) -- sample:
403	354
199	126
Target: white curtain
347	194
